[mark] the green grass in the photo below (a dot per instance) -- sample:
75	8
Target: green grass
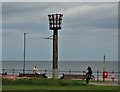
50	84
37	87
39	81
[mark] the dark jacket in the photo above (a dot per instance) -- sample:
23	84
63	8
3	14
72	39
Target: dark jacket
89	71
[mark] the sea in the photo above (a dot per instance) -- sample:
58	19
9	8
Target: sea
63	66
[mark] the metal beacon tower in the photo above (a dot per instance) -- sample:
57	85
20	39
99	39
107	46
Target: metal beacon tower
55	21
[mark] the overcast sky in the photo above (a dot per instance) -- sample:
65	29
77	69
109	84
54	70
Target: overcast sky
60	0
89	31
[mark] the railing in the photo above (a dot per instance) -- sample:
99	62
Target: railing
97	74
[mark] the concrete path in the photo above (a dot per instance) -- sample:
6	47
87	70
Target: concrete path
108	83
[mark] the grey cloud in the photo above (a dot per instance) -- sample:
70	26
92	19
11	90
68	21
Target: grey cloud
80	17
89	24
75	14
97	16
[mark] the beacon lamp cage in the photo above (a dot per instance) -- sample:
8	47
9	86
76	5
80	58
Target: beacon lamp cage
55	21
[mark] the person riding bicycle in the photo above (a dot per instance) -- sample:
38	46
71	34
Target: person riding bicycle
88	74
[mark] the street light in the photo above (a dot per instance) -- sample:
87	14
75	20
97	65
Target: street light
104	57
55	21
24	52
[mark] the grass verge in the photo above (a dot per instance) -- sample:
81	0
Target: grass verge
51	84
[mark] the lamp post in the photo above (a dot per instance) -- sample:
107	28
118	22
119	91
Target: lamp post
24	52
55	21
104	57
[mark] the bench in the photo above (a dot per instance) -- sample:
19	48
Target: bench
32	75
73	76
5	73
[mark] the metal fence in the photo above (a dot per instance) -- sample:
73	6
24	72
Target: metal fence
97	74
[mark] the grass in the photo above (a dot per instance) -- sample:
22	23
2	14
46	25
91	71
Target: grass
51	84
37	87
40	81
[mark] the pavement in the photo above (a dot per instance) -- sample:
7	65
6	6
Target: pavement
12	77
107	83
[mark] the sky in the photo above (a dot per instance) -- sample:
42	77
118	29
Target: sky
0	39
89	31
60	0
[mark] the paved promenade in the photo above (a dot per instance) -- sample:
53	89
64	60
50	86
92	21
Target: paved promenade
106	83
